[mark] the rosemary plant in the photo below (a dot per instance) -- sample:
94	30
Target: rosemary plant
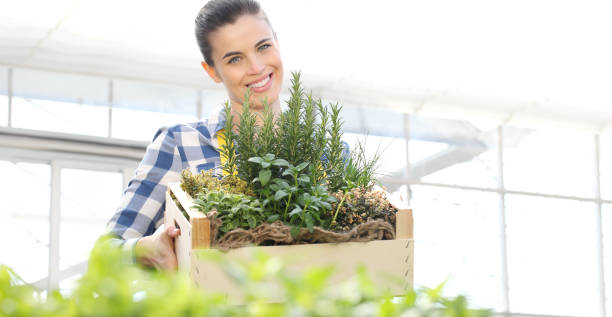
266	140
228	150
291	134
335	162
308	133
293	165
245	140
320	144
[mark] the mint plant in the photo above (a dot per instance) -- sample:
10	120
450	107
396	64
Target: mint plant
235	210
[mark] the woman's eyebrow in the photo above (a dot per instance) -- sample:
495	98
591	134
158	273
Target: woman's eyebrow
262	41
228	54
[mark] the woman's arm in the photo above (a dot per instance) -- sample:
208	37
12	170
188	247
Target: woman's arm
142	205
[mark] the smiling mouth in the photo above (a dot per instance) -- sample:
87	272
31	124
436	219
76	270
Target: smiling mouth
261	83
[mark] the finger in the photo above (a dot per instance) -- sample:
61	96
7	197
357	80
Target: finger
173	232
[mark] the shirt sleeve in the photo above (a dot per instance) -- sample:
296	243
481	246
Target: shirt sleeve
142	205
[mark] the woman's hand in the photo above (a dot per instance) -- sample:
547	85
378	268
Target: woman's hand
157	250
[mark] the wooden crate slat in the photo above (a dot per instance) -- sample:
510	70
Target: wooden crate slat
183	198
389	264
173	217
404	224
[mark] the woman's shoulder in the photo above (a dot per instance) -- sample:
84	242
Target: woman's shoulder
180	129
202	131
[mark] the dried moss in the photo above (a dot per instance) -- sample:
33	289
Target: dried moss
359	206
206	181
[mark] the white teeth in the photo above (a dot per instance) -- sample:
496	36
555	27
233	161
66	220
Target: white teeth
261	83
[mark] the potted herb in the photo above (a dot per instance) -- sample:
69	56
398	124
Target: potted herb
290	184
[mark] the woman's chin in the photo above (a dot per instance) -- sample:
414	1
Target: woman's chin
259	101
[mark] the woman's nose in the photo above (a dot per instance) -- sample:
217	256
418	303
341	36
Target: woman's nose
256	66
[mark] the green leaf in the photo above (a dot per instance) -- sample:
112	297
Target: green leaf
295	232
301	166
288	172
264	177
309	222
256	159
265	164
280	195
273	218
280	162
269	157
304	178
295	211
252	221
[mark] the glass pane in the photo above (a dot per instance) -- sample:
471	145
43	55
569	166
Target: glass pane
457	237
88	201
605	166
607	253
142	125
24	218
211	99
59	116
155	97
392	152
3	110
552	256
420	150
453	152
553	162
3	80
70	88
370	121
3	96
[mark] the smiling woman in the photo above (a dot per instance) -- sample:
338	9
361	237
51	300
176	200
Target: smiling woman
240	51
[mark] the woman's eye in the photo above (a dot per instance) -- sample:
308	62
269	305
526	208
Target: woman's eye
234	60
263	47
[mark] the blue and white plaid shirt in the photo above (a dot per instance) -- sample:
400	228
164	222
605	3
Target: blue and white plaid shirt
173	149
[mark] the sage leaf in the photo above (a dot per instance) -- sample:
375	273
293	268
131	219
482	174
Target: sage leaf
264	177
295	211
252	221
280	162
309	222
256	159
280	195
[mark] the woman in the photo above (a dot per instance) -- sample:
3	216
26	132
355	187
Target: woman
240	50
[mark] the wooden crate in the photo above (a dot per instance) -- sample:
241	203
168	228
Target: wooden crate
389	263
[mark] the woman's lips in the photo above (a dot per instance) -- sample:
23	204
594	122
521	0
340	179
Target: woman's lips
261	85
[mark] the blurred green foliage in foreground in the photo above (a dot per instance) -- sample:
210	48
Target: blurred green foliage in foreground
113	288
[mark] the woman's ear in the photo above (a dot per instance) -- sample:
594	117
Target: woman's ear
211	72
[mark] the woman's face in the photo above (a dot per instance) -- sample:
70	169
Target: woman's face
246	55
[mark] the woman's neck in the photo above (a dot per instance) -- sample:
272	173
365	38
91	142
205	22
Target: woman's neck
237	109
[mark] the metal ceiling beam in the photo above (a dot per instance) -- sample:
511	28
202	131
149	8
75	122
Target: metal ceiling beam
70	143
